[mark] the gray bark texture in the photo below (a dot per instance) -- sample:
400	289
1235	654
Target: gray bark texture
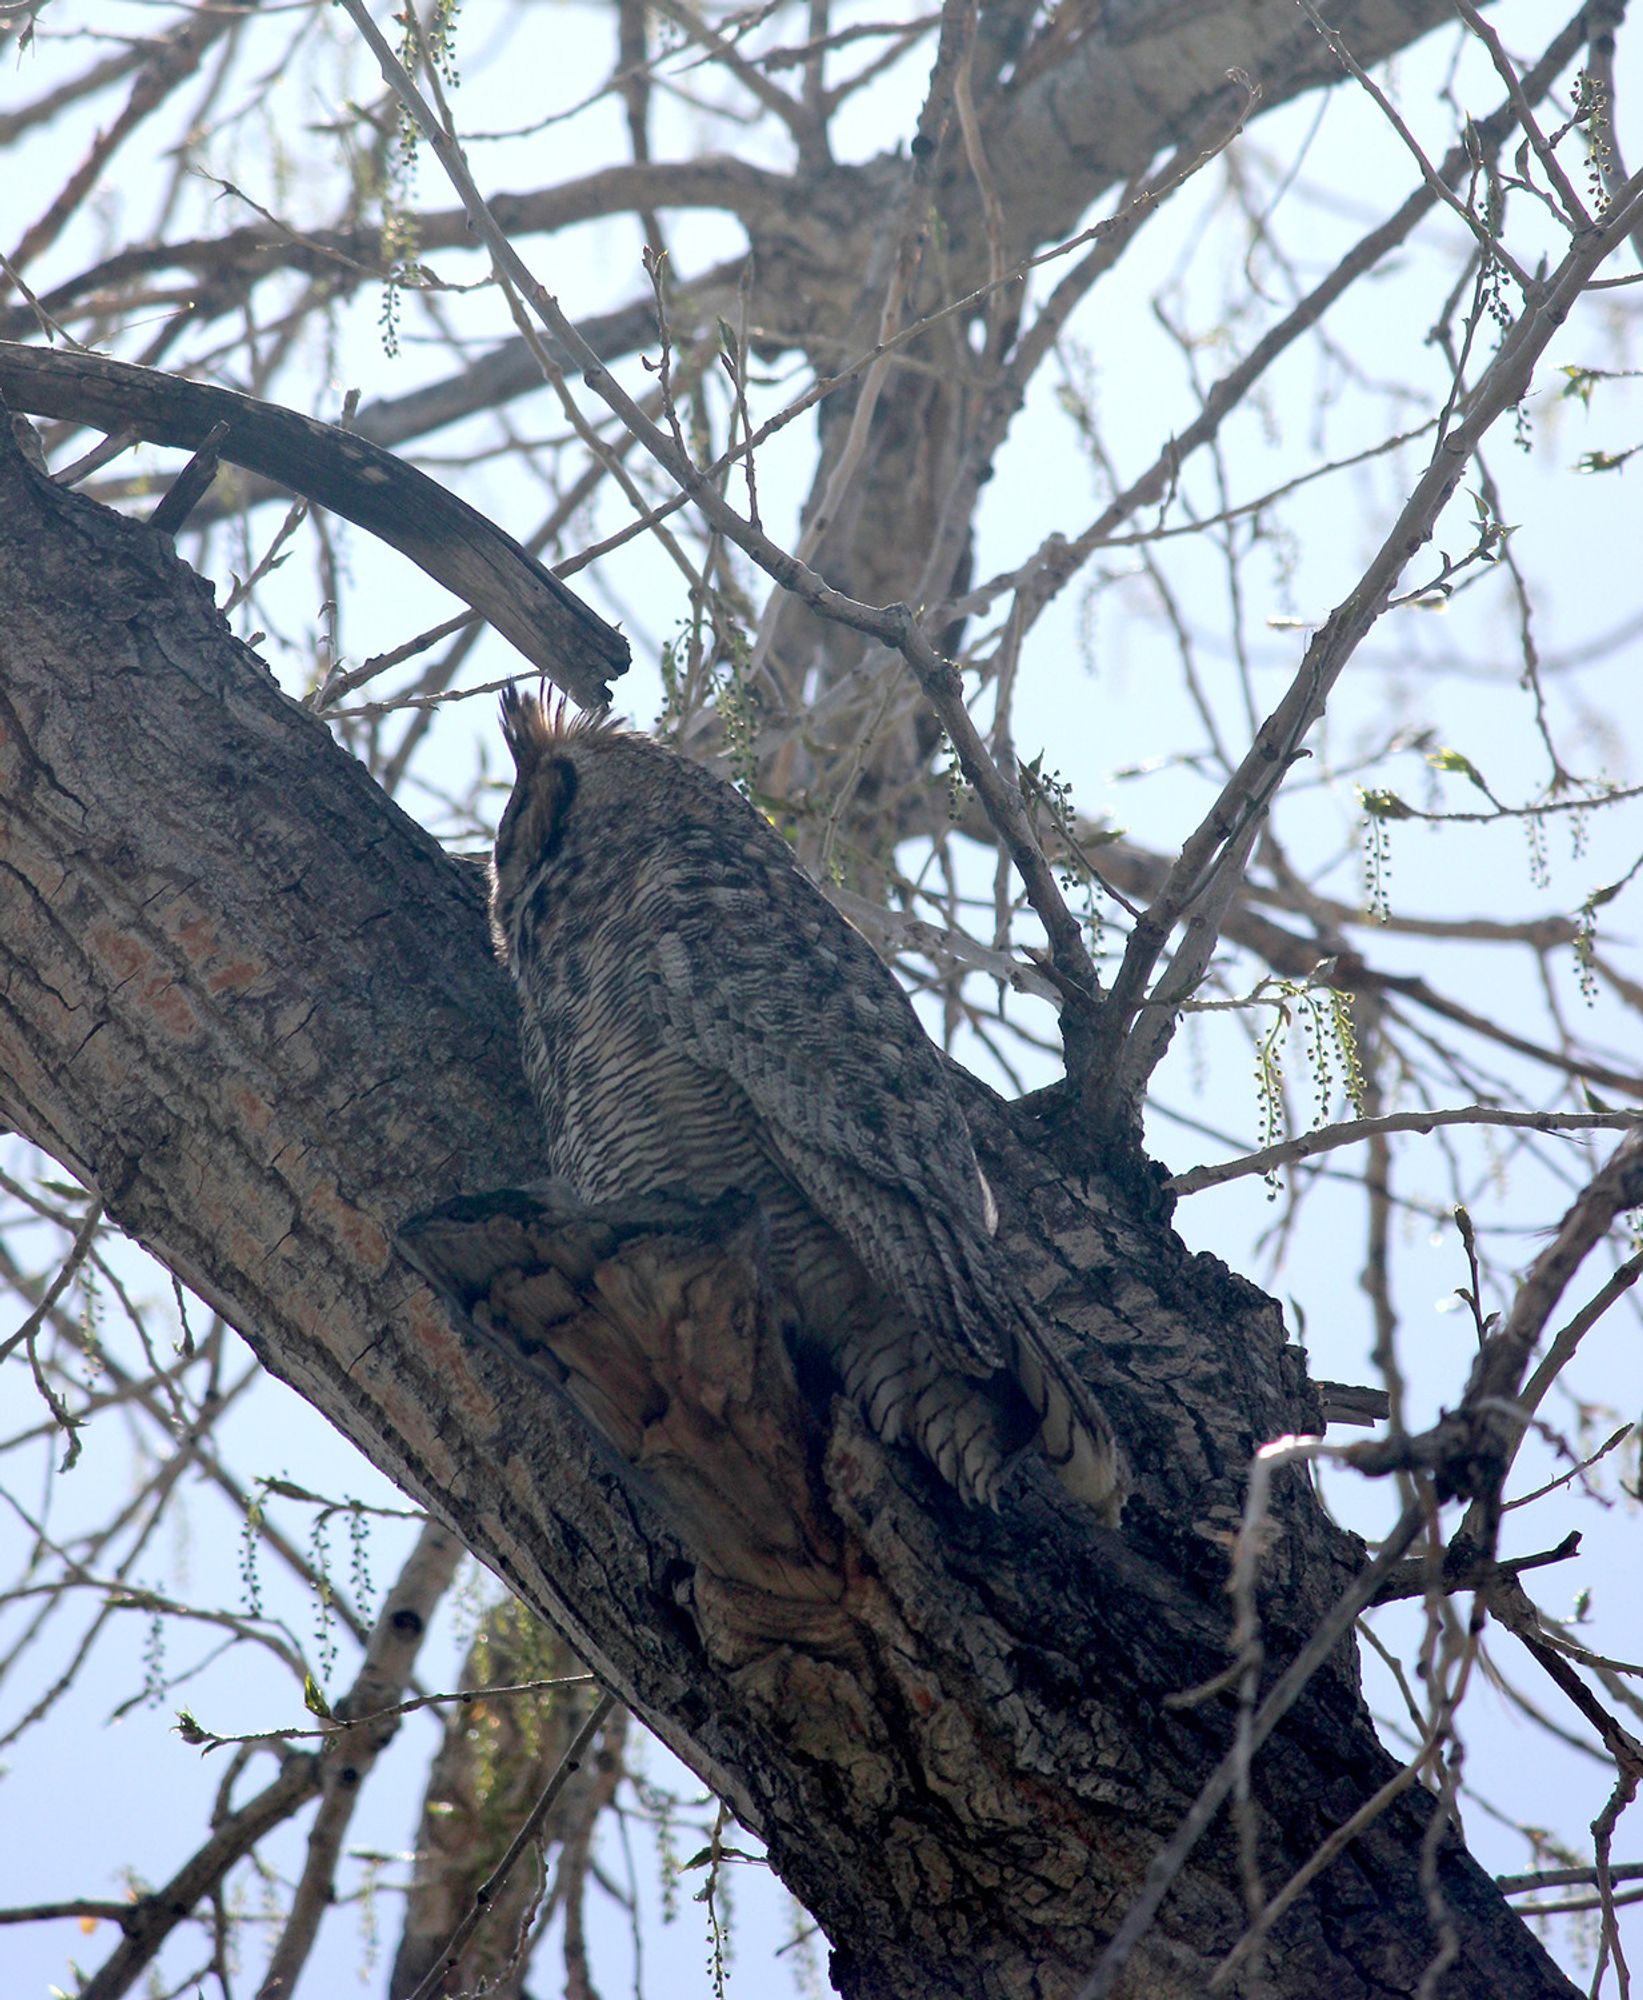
253	1005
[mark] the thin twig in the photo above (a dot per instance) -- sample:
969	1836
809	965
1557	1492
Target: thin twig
1488	244
1058	560
60	1284
485	1894
1251	788
1353	1131
1172	1857
1562	1346
1574	209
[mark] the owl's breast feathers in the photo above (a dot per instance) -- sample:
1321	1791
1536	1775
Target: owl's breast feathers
698	1016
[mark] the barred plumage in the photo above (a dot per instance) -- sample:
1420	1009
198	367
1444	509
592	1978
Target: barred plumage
698	1019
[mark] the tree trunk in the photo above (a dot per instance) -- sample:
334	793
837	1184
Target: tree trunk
254	1006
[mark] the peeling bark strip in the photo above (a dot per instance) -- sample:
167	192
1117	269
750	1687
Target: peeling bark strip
660	1324
253	1005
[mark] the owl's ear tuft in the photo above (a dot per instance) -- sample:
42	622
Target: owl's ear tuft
531	727
525	727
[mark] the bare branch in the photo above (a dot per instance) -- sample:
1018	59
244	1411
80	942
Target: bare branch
1285	1693
1355	1130
579	1748
1248	793
330	466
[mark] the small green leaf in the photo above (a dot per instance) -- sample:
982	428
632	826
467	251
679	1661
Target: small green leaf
313	1699
1455	760
705	1857
1603	461
1599	897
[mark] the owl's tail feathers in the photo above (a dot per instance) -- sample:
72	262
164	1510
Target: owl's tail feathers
1073	1430
906	1392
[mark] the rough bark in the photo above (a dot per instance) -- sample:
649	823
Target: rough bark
249	1001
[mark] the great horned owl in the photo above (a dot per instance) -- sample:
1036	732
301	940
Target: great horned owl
699	1019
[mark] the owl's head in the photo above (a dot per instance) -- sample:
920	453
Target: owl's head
586	788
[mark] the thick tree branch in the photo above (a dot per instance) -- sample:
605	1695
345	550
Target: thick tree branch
253	1006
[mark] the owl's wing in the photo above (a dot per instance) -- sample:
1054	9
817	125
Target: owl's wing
845	1088
762	984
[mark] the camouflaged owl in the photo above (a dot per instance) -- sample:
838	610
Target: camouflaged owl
698	1019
